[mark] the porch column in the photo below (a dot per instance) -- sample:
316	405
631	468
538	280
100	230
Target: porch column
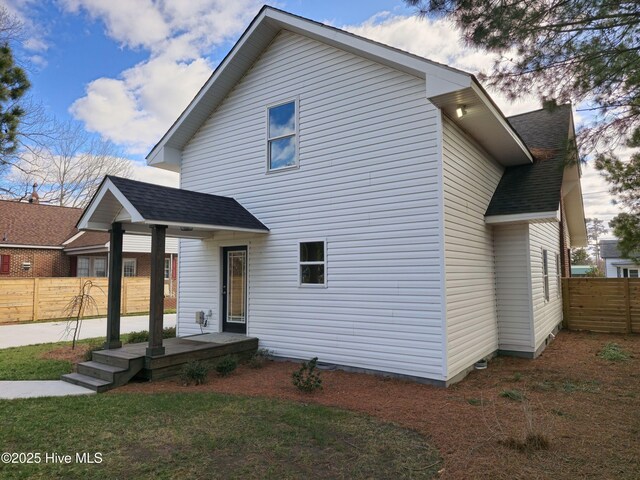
156	296
114	291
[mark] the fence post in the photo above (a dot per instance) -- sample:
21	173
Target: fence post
36	298
565	303
627	303
125	287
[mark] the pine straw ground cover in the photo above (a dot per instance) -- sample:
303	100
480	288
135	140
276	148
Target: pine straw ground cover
581	412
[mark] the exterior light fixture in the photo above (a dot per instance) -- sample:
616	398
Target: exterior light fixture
461	111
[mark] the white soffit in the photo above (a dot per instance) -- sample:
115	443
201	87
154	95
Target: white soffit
446	86
535	217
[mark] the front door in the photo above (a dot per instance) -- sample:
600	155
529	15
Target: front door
234	289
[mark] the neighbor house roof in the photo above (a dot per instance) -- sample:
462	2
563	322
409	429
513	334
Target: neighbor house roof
31	224
609	249
138	205
88	239
536	187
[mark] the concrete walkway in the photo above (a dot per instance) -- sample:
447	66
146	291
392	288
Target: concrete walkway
49	332
40	388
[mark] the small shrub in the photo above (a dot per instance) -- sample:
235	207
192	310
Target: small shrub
476	402
613	352
516	377
196	372
169	332
307	379
259	358
226	366
88	354
515	395
138	337
531	443
143	335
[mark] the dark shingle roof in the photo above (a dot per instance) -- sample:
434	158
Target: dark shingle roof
36	224
609	249
166	204
535	187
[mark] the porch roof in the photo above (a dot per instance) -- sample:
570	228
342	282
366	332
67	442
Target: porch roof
187	214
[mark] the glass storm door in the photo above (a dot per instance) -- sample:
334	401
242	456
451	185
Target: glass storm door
234	289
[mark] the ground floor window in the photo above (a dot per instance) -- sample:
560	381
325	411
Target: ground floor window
545	273
129	267
628	272
313	263
167	268
92	267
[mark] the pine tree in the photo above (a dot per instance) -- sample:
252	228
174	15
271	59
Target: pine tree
13	85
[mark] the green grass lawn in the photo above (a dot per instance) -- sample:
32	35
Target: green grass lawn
206	435
24	363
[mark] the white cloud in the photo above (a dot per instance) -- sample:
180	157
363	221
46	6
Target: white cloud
155	175
138	106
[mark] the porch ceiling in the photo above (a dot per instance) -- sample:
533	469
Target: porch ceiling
187	214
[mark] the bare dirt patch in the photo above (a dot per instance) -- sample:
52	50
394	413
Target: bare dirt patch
586	408
66	353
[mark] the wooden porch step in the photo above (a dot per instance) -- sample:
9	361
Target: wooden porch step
99	370
95	384
116	358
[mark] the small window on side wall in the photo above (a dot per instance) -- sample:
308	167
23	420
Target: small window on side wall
313	263
282	128
129	267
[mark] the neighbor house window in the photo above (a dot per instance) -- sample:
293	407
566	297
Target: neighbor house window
313	263
167	268
545	274
129	267
281	136
84	264
5	264
92	267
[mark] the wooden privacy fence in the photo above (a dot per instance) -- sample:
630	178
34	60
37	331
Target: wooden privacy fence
25	299
607	305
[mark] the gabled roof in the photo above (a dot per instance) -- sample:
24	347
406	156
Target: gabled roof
36	224
609	249
139	205
446	87
89	239
536	187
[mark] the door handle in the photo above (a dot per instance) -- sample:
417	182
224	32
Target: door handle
224	289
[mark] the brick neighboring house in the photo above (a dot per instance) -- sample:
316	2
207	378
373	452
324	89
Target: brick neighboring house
39	240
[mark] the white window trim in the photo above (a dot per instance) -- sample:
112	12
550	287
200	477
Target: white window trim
135	266
545	275
164	269
558	275
296	134
325	263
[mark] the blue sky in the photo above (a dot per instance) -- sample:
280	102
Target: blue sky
126	69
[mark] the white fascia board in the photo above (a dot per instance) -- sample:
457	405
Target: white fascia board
167	158
204	227
39	247
73	238
501	118
535	217
85	223
90	249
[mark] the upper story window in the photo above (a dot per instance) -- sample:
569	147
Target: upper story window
282	136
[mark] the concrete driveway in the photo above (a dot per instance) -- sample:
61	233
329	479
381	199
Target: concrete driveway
29	334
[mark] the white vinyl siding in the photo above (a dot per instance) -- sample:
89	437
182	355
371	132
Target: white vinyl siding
470	178
367	183
515	323
546	314
142	244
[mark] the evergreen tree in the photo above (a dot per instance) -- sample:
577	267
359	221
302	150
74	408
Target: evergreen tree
580	256
13	85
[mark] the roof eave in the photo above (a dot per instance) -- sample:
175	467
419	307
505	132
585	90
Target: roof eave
532	217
